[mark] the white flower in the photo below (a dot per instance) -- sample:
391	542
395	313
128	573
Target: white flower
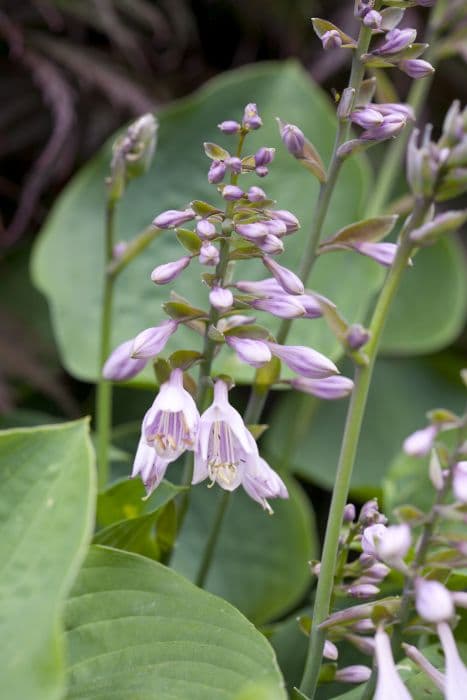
456	672
389	685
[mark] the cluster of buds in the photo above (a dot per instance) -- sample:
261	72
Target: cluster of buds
247	226
423	558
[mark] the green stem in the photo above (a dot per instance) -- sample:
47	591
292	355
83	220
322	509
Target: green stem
209	550
134	248
104	387
352	429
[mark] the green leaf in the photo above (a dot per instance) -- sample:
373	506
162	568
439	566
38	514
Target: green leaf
71	245
262	575
46	512
139	630
430	308
305	435
141	526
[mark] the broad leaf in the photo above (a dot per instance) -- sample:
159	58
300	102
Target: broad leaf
305	436
260	564
139	630
68	261
46	509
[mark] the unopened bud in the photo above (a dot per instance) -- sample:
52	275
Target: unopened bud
208	254
363	591
222	299
256	194
421	441
264	156
229	127
416	68
293	138
459	481
349	513
232	193
435	471
372	19
216	172
286	278
357	336
163	274
330	651
353	674
396	40
331	40
251	118
172	218
205	229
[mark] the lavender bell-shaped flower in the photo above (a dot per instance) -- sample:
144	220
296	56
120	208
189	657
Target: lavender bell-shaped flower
253	352
389	685
163	274
304	361
152	341
221	298
120	365
456	671
171	424
149	466
261	482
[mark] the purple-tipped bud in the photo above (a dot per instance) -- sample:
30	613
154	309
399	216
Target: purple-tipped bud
209	254
222	299
353	674
282	307
370	515
396	40
163	274
286	278
261	171
291	222
350	513
311	305
330	388
304	361
216	172
234	164
382	253
416	68
119	250
120	365
433	601
251	118
229	127
363	591
276	227
366	117
357	336
252	232
391	126
256	194
376	572
205	229
292	138
419	443
253	352
390	108
459	482
264	156
331	40
372	19
152	341
231	193
272	245
173	218
330	651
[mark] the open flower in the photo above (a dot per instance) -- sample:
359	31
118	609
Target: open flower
227	453
456	672
149	466
389	685
171	424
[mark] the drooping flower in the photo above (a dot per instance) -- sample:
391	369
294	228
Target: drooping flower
149	466
171	424
227	453
456	671
389	685
120	365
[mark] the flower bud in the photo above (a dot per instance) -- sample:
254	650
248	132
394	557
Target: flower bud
416	68
261	171
264	156
272	245
234	321
433	601
276	227
252	232
331	40
396	40
286	278
251	118
253	352
256	194
372	19
353	674
363	591
216	172
329	388
292	138
350	513
391	126
376	572
304	361
229	127
357	336
282	307
419	443
370	515
234	164
152	341
459	482
163	274
291	222
366	117
120	365
173	218
365	625
205	229
382	253
435	471
222	299
209	254
119	250
330	651
231	193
